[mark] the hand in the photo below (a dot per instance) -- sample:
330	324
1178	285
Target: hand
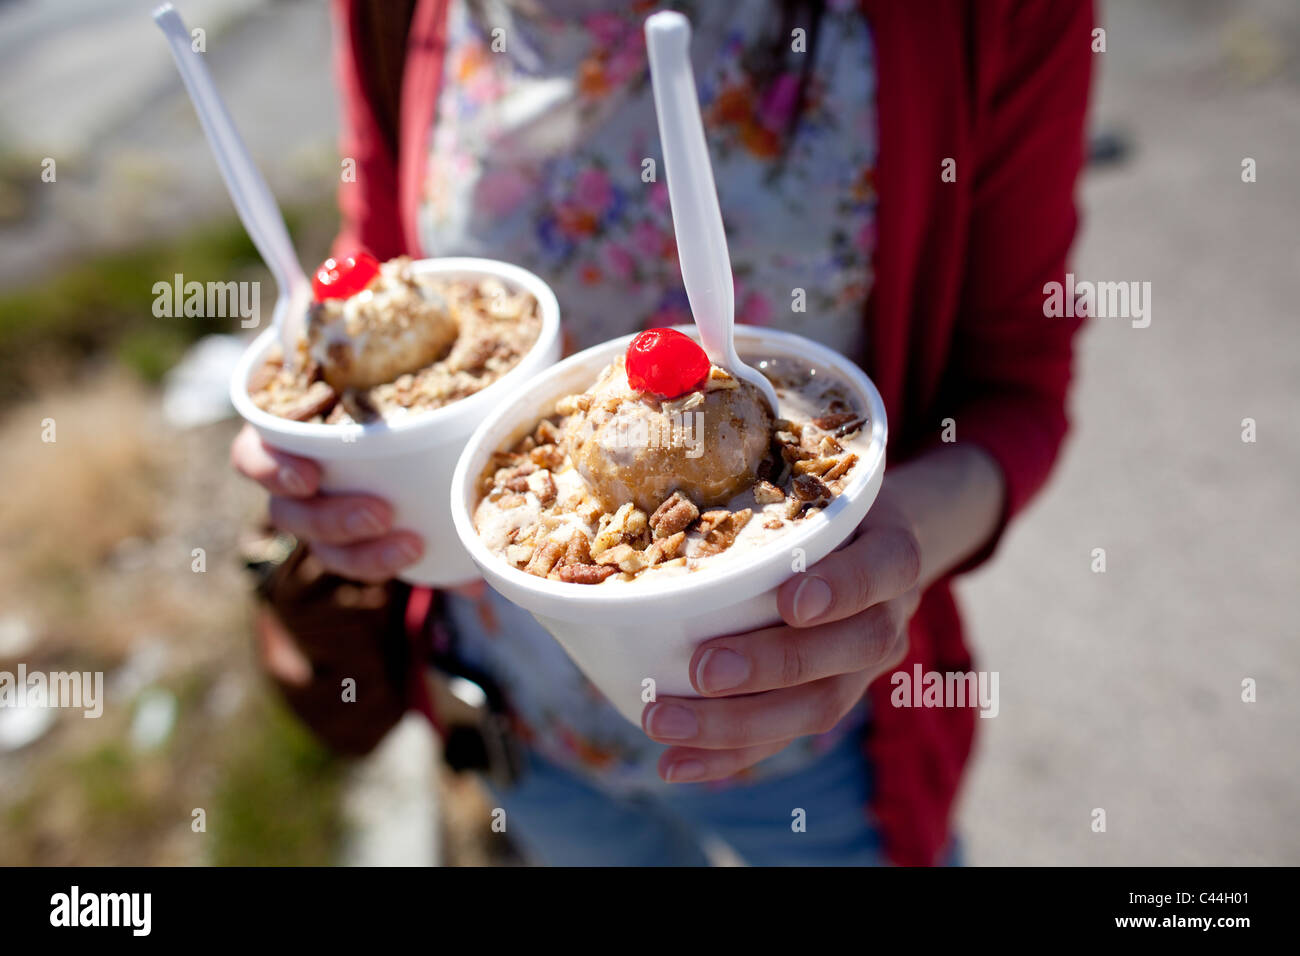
351	535
846	624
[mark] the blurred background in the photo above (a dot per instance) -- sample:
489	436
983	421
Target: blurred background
1119	690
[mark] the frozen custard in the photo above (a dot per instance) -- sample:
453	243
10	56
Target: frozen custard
384	341
621	480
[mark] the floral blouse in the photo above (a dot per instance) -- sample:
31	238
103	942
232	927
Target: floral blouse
545	152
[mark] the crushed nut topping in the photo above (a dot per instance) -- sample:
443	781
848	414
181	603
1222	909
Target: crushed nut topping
674	515
568	536
810	488
545	558
542	485
585	573
722	534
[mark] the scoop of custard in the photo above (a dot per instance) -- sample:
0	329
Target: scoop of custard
633	446
394	326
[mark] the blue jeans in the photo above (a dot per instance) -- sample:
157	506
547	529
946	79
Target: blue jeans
560	819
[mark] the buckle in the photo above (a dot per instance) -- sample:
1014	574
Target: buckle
477	731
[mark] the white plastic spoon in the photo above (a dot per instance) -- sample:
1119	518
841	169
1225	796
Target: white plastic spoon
697	218
252	197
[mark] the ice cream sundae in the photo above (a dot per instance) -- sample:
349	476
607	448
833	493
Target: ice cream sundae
384	340
665	463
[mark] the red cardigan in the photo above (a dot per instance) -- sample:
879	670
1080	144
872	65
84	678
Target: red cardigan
955	319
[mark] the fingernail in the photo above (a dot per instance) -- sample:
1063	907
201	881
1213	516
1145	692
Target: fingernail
811	599
672	722
293	482
721	669
361	521
400	554
684	771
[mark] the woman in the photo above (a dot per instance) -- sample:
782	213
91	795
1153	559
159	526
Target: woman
908	170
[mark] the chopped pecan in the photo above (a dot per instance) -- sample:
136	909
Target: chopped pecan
723	534
627	524
771	524
519	554
473	356
515	478
626	557
712	519
546	433
585	573
549	520
542	485
795	452
664	549
766	493
828	446
570	404
505	459
547	456
675	514
263	376
720	378
635	524
810	488
841	466
318	397
578	550
589	510
545	558
814	466
828	423
517	465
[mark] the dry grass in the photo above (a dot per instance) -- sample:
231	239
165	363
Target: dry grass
96	534
97	531
70	502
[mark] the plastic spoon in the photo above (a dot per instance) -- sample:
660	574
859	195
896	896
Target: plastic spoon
697	218
252	197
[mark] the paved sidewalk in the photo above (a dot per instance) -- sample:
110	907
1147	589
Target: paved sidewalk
91	84
1123	690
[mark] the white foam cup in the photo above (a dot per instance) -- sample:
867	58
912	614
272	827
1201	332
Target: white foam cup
409	462
624	634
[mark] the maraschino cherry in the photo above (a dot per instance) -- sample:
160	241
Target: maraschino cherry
341	278
666	363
